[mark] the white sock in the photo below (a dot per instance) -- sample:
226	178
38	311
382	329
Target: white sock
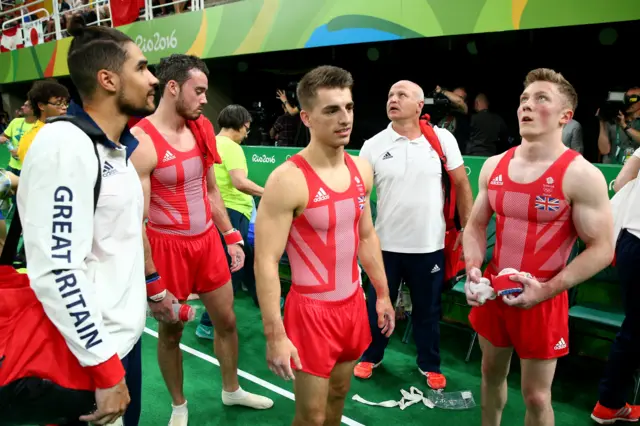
180	409
239	394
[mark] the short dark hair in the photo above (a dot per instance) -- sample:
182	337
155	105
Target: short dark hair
93	49
177	67
323	77
42	91
233	117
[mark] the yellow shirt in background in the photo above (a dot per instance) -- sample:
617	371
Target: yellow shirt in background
232	158
15	131
27	140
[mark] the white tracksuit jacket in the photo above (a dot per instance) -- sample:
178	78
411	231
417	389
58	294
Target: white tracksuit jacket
86	269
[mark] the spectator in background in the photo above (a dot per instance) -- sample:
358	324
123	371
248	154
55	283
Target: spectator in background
237	192
13	134
572	136
177	7
489	133
288	129
64	14
49	99
457	120
618	140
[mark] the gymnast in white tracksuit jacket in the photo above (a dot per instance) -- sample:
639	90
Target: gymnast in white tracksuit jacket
87	269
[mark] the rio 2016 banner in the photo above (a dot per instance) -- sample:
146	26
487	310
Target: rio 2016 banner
256	26
263	160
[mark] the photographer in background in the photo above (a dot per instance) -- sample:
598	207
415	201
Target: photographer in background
619	138
457	121
288	129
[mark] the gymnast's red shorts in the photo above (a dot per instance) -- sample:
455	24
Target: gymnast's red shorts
541	332
327	333
187	265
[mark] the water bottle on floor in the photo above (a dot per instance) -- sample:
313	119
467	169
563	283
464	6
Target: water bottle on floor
461	400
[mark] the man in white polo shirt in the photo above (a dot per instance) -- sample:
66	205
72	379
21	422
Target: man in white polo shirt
411	224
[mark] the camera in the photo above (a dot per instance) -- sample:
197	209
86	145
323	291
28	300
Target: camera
617	102
259	134
437	99
437	105
613	105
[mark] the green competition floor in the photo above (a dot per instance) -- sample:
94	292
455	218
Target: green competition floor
574	391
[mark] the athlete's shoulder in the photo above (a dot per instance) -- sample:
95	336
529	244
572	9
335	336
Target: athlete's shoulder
364	168
286	174
138	130
582	176
144	139
495	159
490	164
579	165
286	185
360	162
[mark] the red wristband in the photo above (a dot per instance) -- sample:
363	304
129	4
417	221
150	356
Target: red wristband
155	287
234	237
108	374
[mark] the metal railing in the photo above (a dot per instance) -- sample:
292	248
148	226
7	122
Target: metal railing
6	5
21	8
24	21
149	7
101	8
6	24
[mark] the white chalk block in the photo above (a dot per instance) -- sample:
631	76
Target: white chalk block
483	290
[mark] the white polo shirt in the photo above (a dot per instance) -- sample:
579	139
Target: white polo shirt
408	180
86	269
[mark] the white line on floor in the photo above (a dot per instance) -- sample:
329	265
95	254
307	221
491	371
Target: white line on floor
258	381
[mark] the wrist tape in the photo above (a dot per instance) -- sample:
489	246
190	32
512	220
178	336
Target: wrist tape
233	237
156	290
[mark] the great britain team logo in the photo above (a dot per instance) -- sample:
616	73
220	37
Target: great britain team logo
545	203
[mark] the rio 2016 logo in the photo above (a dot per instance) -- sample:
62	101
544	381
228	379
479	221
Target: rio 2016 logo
157	42
255	158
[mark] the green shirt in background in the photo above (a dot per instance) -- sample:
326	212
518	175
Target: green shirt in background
14	131
622	146
232	158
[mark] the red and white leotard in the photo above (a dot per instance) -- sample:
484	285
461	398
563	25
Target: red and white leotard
323	241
